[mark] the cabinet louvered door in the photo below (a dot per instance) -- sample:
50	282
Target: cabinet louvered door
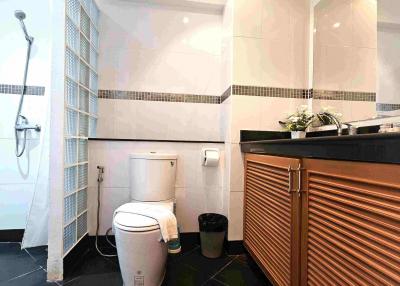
271	216
351	224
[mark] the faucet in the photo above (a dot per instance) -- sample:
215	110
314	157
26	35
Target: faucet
351	128
335	121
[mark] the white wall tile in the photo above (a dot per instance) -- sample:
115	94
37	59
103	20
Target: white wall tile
345	45
15	201
21	170
151	48
248	18
277	109
105	121
339	106
365	13
364	69
248	61
236	182
246	114
388	66
158	120
276	19
190	203
333	21
111	199
18	175
333	70
13	44
235	229
198	189
125	118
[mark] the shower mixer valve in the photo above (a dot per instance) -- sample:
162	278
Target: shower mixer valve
24	125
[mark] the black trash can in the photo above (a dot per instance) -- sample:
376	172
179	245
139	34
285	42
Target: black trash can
212	234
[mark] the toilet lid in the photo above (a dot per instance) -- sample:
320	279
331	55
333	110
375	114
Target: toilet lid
138	223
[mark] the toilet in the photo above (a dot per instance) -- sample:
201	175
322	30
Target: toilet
142	254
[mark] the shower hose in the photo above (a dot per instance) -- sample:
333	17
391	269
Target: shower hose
99	181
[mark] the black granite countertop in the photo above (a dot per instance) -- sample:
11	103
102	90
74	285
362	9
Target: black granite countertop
376	147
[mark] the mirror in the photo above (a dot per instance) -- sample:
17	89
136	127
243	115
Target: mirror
355	57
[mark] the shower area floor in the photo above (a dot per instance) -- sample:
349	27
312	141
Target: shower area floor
23	267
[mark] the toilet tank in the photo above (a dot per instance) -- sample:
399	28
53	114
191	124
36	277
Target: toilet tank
152	176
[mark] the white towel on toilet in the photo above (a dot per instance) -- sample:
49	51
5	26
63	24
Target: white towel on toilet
165	218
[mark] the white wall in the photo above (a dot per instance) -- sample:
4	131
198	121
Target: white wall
269	43
158	120
345	54
345	45
159	49
150	48
270	46
198	188
18	176
388	51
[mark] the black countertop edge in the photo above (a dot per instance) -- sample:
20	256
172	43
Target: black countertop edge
357	137
156	140
374	148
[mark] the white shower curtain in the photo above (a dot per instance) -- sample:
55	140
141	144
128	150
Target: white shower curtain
37	221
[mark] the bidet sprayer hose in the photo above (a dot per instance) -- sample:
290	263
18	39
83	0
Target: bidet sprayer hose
99	181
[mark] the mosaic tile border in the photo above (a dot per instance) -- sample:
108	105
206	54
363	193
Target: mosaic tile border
17	89
159	96
226	94
387	107
343	95
270	91
247	90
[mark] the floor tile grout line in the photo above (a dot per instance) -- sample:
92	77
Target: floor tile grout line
219	281
222	269
30	255
25	274
73	279
185	254
10	242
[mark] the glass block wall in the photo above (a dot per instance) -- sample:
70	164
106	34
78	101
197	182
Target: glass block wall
81	37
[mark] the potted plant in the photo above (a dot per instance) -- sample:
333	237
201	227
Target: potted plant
327	116
298	122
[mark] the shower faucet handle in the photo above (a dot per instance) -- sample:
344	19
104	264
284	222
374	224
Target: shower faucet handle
22	127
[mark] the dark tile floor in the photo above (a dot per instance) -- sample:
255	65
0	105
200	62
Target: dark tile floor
28	268
22	267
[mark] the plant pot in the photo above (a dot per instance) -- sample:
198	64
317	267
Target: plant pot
298	134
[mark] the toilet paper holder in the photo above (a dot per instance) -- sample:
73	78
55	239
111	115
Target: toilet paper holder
210	157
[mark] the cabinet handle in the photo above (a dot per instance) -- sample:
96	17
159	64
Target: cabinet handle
290	170
299	189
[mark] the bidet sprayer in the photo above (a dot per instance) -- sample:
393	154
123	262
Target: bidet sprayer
100	173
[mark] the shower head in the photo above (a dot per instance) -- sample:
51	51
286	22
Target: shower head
20	15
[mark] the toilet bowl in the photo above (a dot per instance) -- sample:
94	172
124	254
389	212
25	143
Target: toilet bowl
142	253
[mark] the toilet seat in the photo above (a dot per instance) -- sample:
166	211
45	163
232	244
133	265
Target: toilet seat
133	222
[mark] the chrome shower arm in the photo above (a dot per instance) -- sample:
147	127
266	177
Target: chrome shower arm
21	122
23	91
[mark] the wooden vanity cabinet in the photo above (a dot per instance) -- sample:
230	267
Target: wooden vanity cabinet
271	216
350	223
344	228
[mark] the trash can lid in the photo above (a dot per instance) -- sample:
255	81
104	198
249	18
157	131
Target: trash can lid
212	222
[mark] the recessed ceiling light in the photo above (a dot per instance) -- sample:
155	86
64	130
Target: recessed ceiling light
185	20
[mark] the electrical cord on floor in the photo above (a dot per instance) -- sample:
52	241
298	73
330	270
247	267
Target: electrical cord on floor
99	181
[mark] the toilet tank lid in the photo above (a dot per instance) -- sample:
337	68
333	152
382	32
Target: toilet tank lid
154	156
